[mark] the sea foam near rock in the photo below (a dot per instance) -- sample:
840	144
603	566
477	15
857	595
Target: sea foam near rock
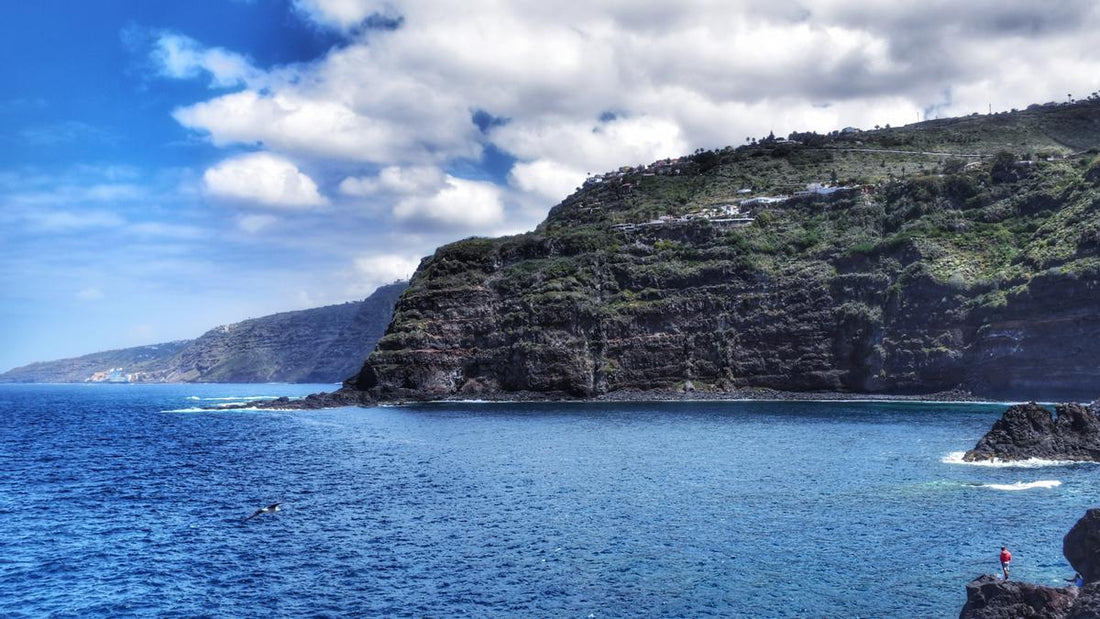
956	457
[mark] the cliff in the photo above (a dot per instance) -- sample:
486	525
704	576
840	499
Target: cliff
325	344
961	254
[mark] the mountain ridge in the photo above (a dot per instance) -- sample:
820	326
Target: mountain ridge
324	344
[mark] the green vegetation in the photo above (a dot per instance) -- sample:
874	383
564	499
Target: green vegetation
971	220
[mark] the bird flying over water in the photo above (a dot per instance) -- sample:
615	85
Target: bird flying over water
270	509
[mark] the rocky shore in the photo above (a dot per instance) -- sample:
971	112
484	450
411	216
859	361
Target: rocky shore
1028	431
988	597
353	397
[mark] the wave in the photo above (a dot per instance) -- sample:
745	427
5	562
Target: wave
218	409
240	397
956	457
1020	485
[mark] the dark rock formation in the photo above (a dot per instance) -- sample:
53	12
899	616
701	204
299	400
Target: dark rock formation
1031	431
1081	546
325	344
988	597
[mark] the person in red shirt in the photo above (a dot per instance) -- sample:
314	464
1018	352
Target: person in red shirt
1006	558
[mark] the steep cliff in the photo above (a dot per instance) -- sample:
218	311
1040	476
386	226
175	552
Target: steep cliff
937	260
325	344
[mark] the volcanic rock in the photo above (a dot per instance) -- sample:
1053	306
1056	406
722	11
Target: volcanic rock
1081	546
988	597
1028	431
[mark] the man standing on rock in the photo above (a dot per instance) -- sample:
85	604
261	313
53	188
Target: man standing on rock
1006	558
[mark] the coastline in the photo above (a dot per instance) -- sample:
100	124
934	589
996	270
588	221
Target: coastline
345	397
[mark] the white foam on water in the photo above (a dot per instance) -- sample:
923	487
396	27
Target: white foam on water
241	397
219	409
956	457
1020	485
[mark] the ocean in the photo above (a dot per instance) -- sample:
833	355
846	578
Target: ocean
123	500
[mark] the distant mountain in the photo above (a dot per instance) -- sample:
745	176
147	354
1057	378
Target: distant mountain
96	367
325	344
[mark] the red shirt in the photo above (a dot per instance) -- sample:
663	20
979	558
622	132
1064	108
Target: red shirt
1006	556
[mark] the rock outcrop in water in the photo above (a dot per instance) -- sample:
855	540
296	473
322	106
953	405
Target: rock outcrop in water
915	276
988	597
1028	431
323	345
1081	546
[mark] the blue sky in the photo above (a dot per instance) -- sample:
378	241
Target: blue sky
168	166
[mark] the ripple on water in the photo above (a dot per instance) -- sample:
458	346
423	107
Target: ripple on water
743	509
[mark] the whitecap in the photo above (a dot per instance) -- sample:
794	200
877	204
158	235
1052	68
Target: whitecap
242	397
956	457
1020	485
218	409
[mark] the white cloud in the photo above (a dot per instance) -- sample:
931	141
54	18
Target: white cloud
374	271
459	203
181	57
161	229
72	221
547	179
262	179
396	180
256	223
340	13
588	86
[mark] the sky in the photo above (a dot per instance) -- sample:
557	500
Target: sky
166	167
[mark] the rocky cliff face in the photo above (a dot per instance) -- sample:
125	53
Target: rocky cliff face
1030	431
921	275
326	344
988	597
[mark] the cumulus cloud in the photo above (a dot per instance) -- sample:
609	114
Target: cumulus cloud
342	14
459	204
181	57
396	179
583	87
262	179
374	271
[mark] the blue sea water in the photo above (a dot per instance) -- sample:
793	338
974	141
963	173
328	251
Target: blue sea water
127	500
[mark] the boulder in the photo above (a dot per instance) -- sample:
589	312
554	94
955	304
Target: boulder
1081	546
988	597
1030	431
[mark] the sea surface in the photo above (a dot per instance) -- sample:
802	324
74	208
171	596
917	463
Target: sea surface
121	500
